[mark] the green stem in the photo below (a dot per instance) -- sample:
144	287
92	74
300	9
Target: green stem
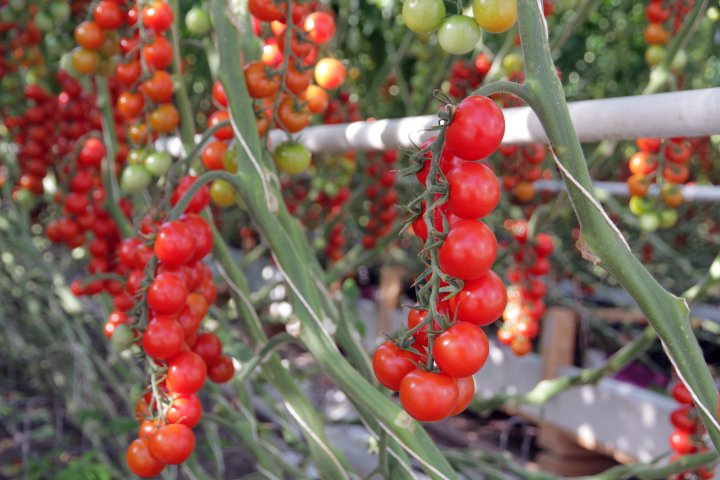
652	472
667	313
187	120
110	184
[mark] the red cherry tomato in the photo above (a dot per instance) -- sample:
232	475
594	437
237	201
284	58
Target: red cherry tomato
172	444
427	396
481	301
167	294
175	244
476	129
391	364
185	409
141	461
466	392
186	373
461	350
163	338
468	251
222	371
474	191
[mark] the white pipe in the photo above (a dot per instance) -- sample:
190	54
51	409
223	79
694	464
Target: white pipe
691	193
693	113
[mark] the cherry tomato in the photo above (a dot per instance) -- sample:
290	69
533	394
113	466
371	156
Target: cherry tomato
163	338
461	350
128	73
292	157
682	419
167	295
159	88
218	93
681	442
675	173
458	34
650	145
330	73
223	133
108	15
293	116
671	195
317	99
297	81
320	26
391	364
141	461
265	10
481	301
681	394
198	21
84	60
186	373
468	251
175	244
222	371
642	163
428	396
474	191
200	200
172	444
185	409
130	104
476	129
158	16
89	35
466	392
638	185
158	53
222	193
655	34
213	155
259	83
423	16
678	152
520	345
495	16
201	233
209	347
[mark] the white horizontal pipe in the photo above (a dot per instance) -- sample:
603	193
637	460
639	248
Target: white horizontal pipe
692	113
691	193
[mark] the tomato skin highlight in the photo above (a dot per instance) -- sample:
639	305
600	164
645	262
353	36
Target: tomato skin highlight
428	396
461	350
391	364
476	129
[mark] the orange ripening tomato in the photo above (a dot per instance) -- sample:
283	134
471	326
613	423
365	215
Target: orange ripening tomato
165	118
638	185
293	116
671	196
524	191
674	173
330	73
259	84
655	34
317	99
642	163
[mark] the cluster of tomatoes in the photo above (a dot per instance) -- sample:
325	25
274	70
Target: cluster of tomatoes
687	437
174	299
525	308
381	195
432	364
521	167
466	76
672	158
458	34
343	109
664	18
281	82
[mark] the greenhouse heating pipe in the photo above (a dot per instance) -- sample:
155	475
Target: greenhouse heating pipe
691	193
693	113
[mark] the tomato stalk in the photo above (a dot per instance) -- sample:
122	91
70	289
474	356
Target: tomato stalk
110	183
187	121
667	313
650	472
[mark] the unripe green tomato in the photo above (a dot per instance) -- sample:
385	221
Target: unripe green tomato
292	157
513	63
639	205
222	193
24	197
458	34
713	13
668	218
649	222
679	63
495	16
331	189
60	10
655	54
423	16
198	21
122	338
135	178
158	163
230	160
44	22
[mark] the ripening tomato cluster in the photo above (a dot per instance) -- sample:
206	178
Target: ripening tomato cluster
343	109
688	435
286	94
673	157
381	195
522	167
466	76
176	298
458	34
451	338
525	308
664	18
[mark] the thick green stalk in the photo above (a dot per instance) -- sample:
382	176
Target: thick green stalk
187	120
110	184
604	244
262	197
652	472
